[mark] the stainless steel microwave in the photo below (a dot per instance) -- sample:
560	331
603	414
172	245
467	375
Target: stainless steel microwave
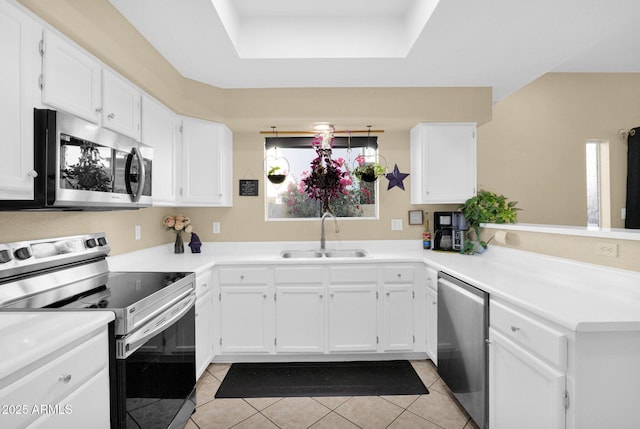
81	166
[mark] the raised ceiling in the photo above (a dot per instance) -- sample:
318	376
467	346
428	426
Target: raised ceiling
503	44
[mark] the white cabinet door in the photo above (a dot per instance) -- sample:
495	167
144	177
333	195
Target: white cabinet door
207	164
443	163
158	131
120	105
70	78
300	319
204	332
432	325
524	392
353	317
246	319
17	71
397	304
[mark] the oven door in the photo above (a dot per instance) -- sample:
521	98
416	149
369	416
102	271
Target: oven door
155	371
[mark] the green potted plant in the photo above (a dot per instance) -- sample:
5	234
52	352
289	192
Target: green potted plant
275	176
486	207
367	171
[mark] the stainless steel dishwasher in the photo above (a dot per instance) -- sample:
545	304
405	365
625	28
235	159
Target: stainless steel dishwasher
463	326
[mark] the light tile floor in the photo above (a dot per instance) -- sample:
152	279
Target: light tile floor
436	410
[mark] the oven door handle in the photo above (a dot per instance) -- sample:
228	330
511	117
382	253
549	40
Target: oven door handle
130	344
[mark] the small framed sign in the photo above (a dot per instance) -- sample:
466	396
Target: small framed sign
416	217
248	188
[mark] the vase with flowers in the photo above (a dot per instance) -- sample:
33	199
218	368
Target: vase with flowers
328	177
177	224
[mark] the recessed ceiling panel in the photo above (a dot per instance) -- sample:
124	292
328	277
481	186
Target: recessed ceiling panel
286	29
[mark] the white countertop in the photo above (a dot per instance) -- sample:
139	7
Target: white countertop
29	336
575	295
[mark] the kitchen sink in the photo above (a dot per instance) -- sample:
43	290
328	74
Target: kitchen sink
312	254
296	254
345	253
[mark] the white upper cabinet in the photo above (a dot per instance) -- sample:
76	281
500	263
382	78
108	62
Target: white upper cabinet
75	82
70	78
443	163
19	52
207	164
158	131
120	105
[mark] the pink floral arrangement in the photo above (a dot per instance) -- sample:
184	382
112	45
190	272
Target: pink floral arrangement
177	223
328	177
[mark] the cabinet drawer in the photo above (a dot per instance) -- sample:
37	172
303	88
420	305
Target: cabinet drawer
364	273
56	379
298	275
398	274
529	333
249	276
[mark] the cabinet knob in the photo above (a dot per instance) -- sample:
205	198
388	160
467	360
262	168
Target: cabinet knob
98	110
331	295
65	378
399	275
388	293
514	328
320	296
33	174
111	115
264	295
434	302
242	277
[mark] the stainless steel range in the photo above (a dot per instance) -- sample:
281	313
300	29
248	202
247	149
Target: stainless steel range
153	341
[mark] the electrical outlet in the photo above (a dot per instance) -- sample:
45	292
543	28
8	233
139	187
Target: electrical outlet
216	227
138	232
623	213
396	224
607	249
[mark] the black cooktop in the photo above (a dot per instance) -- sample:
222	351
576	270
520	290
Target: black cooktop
121	290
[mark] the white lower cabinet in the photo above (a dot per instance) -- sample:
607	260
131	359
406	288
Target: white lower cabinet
300	310
246	319
524	391
353	318
318	309
204	321
527	371
69	388
432	324
246	302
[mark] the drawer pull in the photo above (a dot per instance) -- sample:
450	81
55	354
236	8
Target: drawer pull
111	115
65	378
320	296
242	277
399	275
514	328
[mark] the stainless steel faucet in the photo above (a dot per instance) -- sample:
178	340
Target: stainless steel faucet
335	220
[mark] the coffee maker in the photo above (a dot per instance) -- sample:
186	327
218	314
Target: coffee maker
450	231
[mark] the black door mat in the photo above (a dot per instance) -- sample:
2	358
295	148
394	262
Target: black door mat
267	380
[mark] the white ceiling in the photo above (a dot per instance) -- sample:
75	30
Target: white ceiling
503	44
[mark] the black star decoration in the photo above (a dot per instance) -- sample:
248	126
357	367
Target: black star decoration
396	178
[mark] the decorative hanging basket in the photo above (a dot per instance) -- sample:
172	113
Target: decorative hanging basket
369	170
277	169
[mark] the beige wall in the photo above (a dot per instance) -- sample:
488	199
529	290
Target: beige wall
521	124
533	150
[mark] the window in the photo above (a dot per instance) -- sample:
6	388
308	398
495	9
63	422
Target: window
598	195
293	155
